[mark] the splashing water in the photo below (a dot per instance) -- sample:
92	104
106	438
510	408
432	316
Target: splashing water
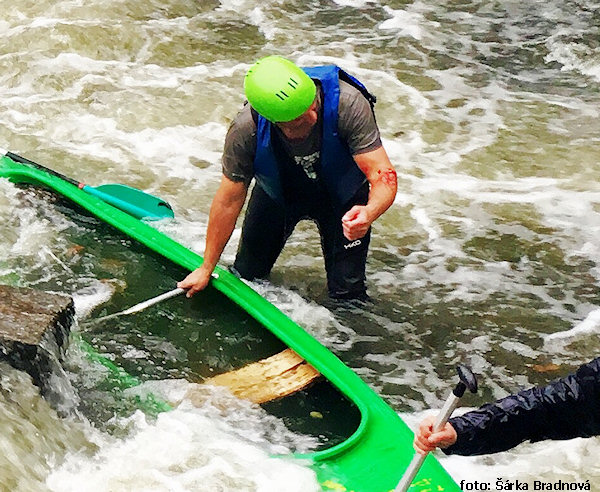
488	256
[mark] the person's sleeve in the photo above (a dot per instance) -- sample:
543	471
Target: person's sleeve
239	148
356	121
564	409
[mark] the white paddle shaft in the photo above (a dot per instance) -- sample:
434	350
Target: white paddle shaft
155	300
418	458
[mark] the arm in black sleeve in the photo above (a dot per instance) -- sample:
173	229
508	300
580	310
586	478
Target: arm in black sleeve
564	409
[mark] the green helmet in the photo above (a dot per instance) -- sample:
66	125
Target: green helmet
278	89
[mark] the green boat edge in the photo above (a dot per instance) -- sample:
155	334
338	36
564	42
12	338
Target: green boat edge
374	458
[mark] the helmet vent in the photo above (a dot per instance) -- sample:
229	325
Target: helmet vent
282	94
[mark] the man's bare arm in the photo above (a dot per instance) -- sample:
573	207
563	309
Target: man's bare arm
381	175
224	211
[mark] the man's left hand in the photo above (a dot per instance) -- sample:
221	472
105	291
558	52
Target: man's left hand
356	222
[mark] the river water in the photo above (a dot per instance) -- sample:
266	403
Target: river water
489	256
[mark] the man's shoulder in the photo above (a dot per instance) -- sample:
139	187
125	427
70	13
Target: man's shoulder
353	102
348	92
244	121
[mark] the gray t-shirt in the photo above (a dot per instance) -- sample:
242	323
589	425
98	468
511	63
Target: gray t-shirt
356	127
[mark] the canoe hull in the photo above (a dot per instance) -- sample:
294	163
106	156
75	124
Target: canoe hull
372	459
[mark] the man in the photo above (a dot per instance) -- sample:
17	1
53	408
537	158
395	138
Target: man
309	139
564	409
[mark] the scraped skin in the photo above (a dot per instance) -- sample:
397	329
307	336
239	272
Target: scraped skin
382	177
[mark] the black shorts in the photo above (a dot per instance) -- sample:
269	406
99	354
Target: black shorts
267	226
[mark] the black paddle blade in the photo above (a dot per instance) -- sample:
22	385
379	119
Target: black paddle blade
467	377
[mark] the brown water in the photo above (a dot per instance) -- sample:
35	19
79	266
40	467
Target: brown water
489	111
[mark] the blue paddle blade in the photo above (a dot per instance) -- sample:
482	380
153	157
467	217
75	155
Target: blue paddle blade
135	202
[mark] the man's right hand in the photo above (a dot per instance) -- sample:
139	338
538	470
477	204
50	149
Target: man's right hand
195	281
426	440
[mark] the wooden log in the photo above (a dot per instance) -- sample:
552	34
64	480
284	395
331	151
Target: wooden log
266	380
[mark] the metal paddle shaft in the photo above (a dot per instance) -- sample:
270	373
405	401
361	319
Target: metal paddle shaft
155	300
143	305
467	381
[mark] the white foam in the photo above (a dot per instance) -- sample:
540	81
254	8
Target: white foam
405	22
575	57
554	460
259	16
591	324
100	137
94	295
321	322
183	450
354	3
439	106
241	418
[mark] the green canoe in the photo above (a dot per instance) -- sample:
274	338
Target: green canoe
373	458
